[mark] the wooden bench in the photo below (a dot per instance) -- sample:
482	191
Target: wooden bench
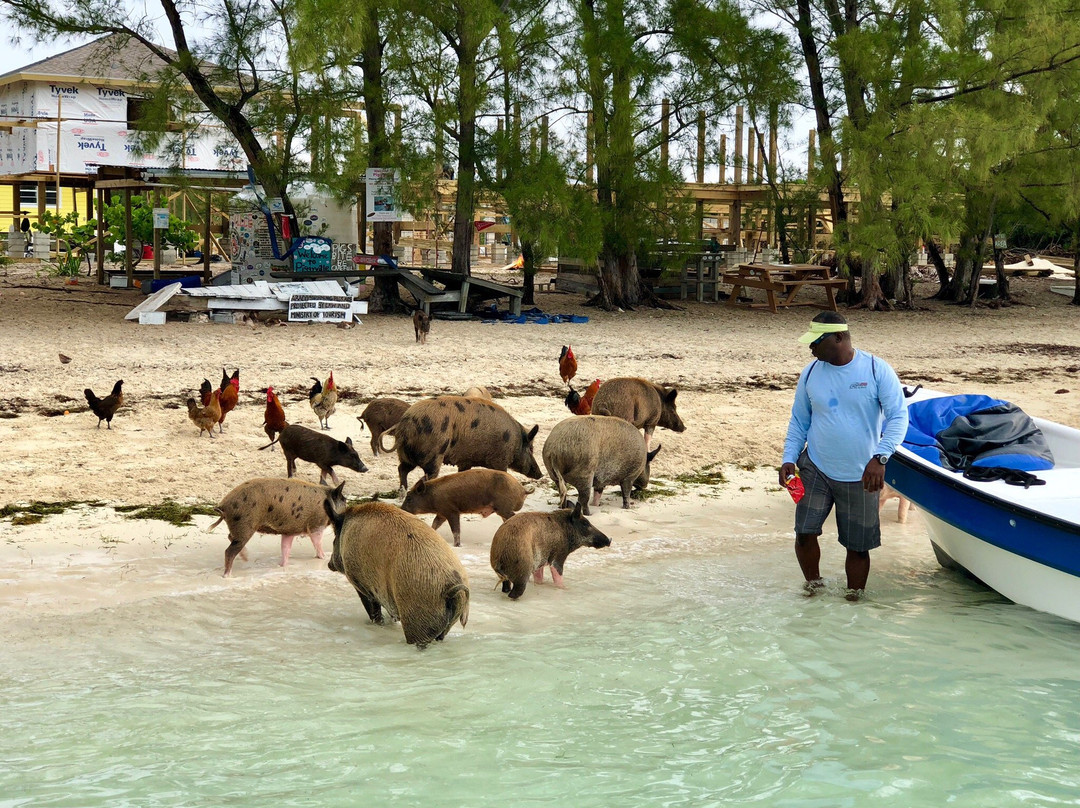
787	283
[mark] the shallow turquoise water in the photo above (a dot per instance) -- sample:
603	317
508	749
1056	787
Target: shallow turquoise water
675	674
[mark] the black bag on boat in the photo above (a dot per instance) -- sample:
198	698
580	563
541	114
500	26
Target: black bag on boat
1002	431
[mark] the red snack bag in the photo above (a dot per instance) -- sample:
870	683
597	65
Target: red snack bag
794	486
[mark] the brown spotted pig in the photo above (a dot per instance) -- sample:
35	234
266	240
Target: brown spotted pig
396	562
482	491
272	505
591	452
464	432
644	404
380	415
528	542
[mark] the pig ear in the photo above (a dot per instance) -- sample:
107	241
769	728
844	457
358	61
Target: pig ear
348	442
336	493
420	485
532	434
649	457
670	396
577	511
333	514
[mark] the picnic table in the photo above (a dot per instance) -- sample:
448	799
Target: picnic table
783	279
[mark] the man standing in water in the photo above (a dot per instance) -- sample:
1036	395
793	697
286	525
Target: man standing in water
836	442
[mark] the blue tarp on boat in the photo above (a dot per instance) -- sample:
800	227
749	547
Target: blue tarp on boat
961	432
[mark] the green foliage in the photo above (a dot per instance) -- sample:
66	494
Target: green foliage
72	241
180	233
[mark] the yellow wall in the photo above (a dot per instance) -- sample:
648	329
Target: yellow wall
70	199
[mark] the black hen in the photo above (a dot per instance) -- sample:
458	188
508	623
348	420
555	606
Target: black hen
105	408
205	389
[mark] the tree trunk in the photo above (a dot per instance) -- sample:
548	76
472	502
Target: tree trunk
528	268
1002	278
872	298
385	297
942	271
464	203
1076	263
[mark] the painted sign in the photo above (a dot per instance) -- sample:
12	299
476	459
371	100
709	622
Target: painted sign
341	256
161	218
313	255
276	204
319	309
382	194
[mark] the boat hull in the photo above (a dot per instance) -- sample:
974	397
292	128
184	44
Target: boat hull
1028	557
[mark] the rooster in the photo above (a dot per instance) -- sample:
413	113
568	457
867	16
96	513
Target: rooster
567	364
205	389
230	394
105	408
582	404
205	417
323	399
274	419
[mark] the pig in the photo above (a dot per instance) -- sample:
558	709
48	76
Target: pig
273	505
478	392
591	452
463	432
527	542
642	403
314	447
421	322
482	491
380	415
395	561
903	503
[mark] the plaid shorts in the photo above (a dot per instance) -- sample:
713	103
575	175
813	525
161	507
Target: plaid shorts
856	509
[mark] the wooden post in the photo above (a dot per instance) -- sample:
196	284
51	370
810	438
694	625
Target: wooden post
129	265
751	147
206	237
722	158
59	104
157	237
665	131
701	145
738	144
100	251
700	206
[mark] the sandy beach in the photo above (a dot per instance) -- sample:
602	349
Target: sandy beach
735	370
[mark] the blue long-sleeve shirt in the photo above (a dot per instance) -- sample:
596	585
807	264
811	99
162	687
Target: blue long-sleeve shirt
838	415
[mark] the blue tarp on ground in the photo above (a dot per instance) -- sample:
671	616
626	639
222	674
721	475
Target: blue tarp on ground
534	315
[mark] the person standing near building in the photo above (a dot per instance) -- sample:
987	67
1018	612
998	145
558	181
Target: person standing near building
847	419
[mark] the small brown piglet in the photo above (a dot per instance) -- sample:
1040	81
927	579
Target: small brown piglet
380	415
482	491
272	505
318	448
528	542
421	321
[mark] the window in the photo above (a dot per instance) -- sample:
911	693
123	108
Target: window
28	197
136	111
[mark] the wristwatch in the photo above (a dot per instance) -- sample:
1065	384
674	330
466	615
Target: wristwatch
882	458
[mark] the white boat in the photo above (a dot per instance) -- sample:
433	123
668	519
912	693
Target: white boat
1023	542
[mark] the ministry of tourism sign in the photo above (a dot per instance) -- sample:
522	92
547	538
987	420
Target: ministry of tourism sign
319	309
